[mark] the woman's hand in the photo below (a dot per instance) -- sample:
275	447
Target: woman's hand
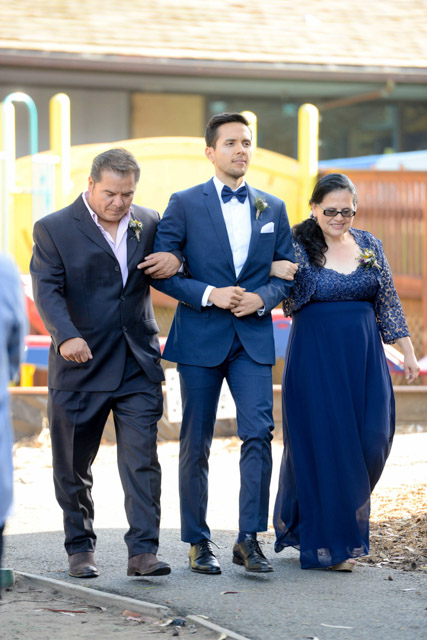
411	367
284	269
410	363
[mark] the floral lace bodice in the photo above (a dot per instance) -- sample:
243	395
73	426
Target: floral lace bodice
320	284
333	286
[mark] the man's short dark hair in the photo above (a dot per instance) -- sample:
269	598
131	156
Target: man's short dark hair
211	133
116	160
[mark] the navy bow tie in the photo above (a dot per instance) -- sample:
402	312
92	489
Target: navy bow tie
227	193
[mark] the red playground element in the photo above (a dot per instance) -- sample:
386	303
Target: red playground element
37	345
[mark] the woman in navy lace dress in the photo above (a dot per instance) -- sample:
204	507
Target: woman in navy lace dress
338	403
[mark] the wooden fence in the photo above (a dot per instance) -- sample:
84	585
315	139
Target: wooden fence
393	206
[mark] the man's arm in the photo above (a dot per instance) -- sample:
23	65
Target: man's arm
171	237
273	292
276	289
48	277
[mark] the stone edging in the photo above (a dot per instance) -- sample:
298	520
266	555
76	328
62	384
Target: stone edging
104	598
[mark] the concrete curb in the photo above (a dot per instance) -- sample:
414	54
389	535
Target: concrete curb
214	627
103	598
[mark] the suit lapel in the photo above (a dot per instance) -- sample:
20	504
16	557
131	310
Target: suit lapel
132	244
136	250
256	228
87	226
215	212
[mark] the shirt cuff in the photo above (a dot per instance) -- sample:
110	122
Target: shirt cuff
207	293
261	312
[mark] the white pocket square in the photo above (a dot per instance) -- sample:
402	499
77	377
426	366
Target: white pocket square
268	228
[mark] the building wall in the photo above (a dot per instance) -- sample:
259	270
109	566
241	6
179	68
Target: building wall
96	115
160	114
110	107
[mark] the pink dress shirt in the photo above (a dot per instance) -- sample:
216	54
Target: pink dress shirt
119	247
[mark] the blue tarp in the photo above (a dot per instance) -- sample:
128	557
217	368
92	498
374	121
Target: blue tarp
410	161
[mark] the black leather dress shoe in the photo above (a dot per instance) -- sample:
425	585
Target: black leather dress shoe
248	553
202	558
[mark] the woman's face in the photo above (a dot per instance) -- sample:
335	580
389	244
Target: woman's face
335	226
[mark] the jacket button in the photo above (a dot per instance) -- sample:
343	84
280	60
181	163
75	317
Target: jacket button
117	268
122	298
125	329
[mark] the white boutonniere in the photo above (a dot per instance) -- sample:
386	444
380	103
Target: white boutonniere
136	226
260	206
368	259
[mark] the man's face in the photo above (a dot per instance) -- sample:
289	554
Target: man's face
232	153
112	196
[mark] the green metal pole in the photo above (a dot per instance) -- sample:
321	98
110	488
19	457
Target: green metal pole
32	109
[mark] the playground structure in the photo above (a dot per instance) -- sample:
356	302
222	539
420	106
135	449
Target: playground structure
44	182
40	183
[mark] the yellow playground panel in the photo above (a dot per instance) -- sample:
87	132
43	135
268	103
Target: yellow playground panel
167	165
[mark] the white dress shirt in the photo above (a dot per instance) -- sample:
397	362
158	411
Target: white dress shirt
237	218
119	246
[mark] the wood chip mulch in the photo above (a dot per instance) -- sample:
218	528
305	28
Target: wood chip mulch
398	528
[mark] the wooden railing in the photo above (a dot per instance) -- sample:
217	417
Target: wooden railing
393	206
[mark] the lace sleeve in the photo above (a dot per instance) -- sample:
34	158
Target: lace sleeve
304	282
388	308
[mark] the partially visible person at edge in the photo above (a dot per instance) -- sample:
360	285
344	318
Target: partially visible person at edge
338	403
104	355
13	326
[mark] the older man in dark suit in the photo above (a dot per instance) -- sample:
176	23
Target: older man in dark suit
104	355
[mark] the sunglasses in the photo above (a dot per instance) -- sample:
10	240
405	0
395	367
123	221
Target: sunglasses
346	213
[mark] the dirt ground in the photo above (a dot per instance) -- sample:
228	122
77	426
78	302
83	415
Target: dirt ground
31	612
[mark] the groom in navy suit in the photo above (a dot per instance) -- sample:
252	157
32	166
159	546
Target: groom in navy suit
228	234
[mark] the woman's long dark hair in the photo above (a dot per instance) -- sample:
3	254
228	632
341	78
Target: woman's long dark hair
308	232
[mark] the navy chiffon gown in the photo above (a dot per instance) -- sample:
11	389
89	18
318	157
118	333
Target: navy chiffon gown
338	407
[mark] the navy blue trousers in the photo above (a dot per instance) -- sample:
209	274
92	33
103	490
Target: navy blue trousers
252	389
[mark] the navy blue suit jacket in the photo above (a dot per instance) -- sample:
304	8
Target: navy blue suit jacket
78	291
193	223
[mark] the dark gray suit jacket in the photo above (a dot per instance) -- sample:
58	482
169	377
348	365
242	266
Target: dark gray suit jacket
78	290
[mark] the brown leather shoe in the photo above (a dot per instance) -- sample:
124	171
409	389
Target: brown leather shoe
147	564
82	565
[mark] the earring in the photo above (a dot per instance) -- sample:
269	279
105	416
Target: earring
313	217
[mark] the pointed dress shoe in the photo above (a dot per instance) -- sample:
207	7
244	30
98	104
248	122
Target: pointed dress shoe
147	564
202	558
82	565
248	553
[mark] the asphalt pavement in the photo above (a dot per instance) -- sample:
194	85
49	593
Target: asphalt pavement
287	604
370	603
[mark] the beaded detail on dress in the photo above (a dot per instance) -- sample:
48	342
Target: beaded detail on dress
320	284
